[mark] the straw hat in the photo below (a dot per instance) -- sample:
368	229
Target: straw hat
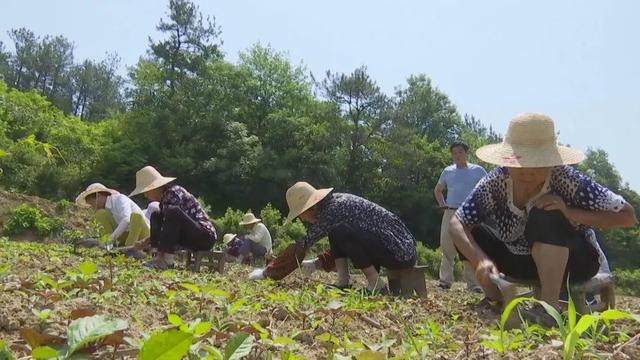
249	218
148	178
227	238
81	200
530	142
302	196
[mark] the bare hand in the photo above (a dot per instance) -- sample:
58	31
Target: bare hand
483	271
551	202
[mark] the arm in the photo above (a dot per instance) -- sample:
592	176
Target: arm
439	195
122	208
286	262
626	217
464	242
589	204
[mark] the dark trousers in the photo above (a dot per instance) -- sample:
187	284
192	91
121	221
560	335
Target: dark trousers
364	249
171	228
252	248
548	227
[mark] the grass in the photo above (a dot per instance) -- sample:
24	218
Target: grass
46	287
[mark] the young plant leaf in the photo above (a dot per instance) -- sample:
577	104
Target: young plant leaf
44	352
167	345
175	320
238	346
88	268
89	329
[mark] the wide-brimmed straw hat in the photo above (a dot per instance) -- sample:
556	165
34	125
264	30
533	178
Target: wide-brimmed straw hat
94	188
302	196
530	143
148	178
227	238
249	218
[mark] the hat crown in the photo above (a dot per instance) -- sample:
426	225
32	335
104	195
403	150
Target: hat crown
531	129
146	176
248	217
97	186
298	194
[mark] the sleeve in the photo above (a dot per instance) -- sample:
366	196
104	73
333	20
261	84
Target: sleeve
261	236
481	172
285	263
122	207
315	232
153	207
583	192
478	204
171	198
441	179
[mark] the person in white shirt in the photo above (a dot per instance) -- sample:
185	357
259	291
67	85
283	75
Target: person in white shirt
119	217
257	242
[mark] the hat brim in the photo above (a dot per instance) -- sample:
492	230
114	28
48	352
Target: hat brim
81	199
251	222
154	185
529	156
317	196
225	242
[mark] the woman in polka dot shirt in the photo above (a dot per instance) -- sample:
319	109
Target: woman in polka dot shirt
532	217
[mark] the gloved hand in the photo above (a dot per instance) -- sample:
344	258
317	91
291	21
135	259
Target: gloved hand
309	266
257	274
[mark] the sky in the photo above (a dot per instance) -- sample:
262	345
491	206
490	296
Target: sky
578	61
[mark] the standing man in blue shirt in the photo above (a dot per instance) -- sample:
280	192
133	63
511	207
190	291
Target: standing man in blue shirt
458	180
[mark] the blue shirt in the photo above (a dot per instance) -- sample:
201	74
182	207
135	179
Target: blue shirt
460	181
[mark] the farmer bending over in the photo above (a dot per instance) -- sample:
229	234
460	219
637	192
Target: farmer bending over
257	242
531	218
358	229
118	216
181	220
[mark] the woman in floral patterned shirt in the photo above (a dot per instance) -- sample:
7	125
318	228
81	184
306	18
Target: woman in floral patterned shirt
532	217
181	220
358	230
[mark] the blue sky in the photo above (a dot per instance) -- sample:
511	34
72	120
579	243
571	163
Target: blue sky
575	60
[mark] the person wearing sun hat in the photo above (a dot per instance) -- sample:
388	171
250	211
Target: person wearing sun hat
257	242
359	230
118	216
532	217
233	243
181	220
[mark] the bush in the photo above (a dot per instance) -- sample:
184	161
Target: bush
25	217
628	282
282	232
228	223
431	259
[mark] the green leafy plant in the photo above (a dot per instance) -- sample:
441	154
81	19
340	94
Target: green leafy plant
166	345
25	217
5	354
570	328
81	333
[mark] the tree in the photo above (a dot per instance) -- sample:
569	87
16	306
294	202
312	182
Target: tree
95	89
191	43
26	44
5	67
274	84
597	166
427	111
367	111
